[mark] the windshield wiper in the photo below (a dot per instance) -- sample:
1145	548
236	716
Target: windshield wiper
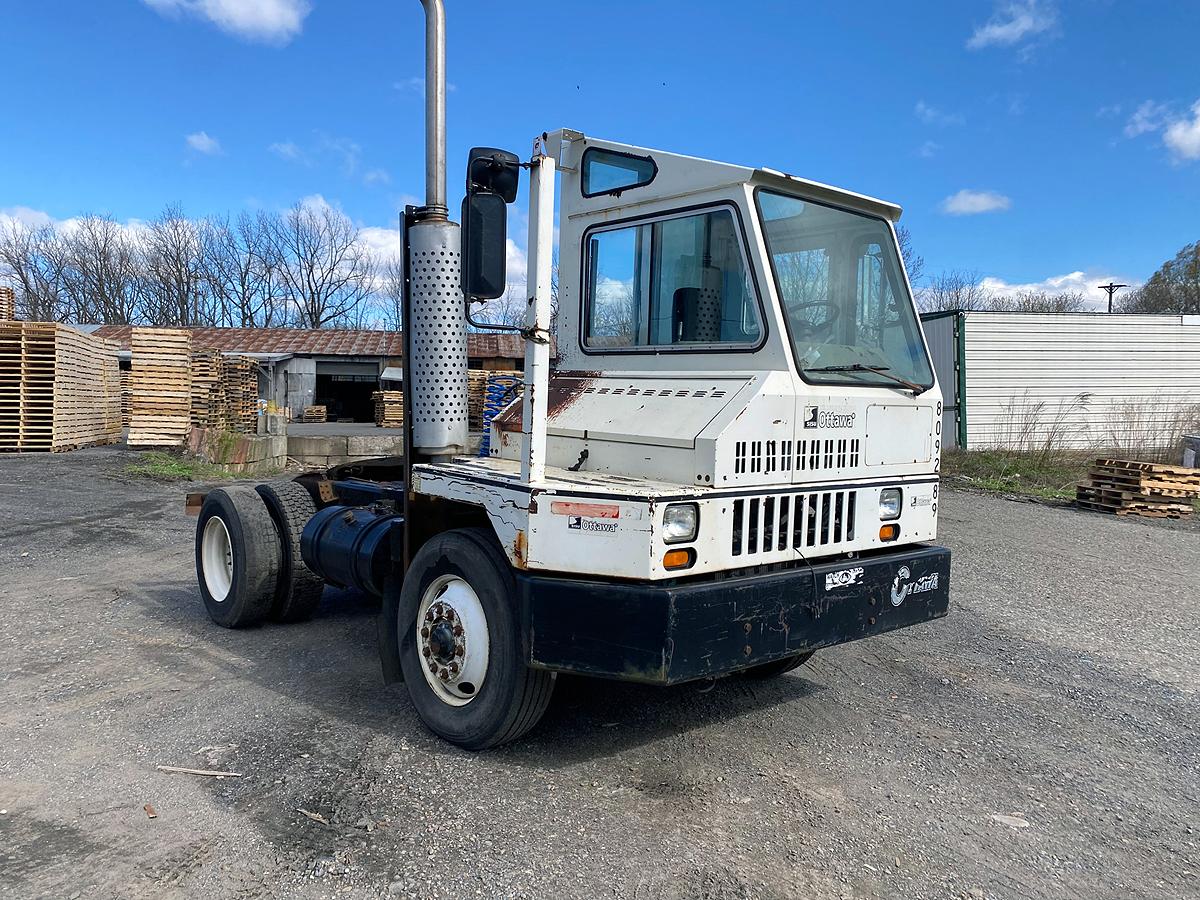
878	370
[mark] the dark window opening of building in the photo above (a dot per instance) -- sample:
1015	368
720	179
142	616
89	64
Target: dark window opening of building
347	398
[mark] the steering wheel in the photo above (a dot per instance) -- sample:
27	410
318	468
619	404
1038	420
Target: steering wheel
805	328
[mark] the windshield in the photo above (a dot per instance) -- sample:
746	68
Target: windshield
846	302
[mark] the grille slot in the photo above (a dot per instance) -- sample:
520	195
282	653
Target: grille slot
820	519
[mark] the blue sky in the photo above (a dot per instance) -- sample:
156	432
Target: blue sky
1026	140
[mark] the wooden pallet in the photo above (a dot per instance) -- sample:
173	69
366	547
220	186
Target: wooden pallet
315	414
389	409
8	304
160	413
1129	487
59	388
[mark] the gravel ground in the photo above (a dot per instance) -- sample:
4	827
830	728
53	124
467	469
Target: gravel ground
1039	742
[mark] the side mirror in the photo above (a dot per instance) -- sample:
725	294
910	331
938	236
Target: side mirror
492	179
484	246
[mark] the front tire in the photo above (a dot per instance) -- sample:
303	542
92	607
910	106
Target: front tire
460	646
237	557
778	667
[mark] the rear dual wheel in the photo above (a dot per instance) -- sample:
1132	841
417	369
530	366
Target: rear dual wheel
248	559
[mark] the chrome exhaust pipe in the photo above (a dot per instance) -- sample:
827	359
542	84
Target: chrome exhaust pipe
435	107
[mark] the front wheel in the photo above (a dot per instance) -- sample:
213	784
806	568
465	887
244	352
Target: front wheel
460	646
778	666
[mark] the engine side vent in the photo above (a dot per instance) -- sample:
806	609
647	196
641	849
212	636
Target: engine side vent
772	524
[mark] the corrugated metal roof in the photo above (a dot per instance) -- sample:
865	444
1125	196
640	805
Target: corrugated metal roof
321	342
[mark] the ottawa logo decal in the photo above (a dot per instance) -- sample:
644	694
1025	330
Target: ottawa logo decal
810	416
903	586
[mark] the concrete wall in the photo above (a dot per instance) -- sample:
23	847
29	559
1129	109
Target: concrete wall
246	453
322	451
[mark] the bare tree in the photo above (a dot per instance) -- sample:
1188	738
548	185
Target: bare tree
954	289
914	263
32	260
242	270
1041	302
102	272
176	292
391	294
324	265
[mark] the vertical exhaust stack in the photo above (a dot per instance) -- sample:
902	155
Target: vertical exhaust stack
437	330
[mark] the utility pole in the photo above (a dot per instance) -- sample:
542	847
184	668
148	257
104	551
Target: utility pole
1112	289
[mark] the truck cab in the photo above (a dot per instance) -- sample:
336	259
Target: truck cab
733	465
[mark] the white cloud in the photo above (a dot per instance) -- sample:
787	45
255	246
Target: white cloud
972	203
270	21
931	115
1182	136
23	215
1015	23
1149	116
928	149
204	143
376	176
1081	282
287	150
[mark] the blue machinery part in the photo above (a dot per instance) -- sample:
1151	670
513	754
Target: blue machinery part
500	391
349	545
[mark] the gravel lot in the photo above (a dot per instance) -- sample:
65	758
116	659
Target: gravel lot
1039	742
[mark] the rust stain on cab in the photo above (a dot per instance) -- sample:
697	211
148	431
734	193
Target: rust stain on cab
520	550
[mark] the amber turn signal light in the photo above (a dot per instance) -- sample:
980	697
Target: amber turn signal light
679	559
889	532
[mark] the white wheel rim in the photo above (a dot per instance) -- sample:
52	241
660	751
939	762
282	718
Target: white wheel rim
216	558
452	640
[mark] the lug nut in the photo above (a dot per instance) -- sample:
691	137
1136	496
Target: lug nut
429	615
459	650
425	631
433	668
450	614
425	652
444	675
458	630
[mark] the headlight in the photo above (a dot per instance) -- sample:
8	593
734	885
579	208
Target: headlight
680	522
889	504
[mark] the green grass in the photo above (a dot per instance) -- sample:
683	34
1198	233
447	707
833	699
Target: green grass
1048	476
162	466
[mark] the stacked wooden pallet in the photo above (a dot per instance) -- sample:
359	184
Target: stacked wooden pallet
476	388
8	304
160	412
315	414
477	380
241	393
208	402
126	393
389	409
1130	488
59	388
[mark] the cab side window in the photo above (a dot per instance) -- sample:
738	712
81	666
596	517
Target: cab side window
674	282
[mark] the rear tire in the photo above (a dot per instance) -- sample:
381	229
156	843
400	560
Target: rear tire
298	590
237	557
457	615
778	666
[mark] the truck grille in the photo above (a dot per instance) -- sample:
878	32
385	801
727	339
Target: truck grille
792	522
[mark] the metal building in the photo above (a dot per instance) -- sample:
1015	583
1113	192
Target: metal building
1025	381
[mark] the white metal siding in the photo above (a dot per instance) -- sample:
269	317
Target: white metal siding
939	335
1078	380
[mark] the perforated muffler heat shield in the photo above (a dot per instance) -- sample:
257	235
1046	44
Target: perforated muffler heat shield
437	340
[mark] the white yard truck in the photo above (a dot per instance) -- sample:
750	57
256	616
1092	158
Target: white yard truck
734	463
